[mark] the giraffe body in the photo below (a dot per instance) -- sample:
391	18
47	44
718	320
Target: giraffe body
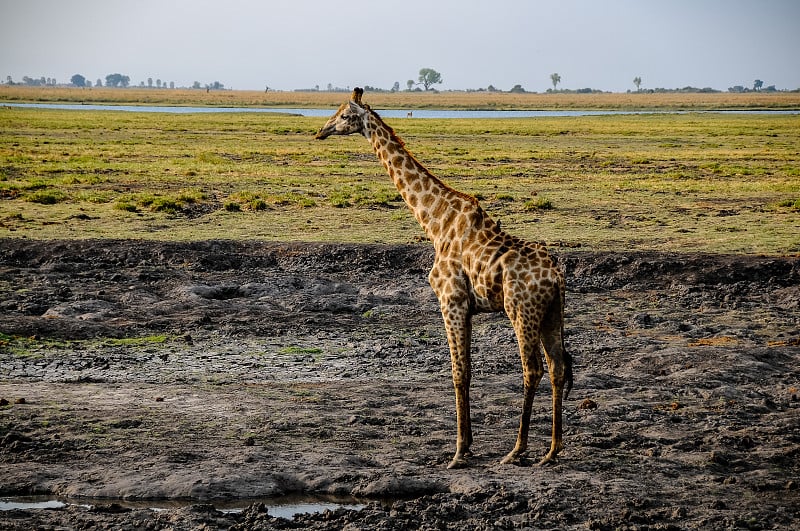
477	268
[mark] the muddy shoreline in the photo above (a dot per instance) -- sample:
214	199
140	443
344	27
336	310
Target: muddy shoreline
223	370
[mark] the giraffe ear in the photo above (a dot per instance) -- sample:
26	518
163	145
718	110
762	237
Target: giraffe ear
358	108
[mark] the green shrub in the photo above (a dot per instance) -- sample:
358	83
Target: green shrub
246	200
258	204
306	202
538	203
126	206
46	197
191	196
165	204
339	198
95	197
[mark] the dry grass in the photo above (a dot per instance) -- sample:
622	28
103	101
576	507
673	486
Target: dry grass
404	99
719	341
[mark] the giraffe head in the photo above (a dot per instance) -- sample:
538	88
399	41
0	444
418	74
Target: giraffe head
350	118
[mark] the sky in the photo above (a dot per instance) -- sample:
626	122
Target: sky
294	44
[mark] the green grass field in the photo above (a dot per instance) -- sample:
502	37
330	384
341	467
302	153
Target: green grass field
689	182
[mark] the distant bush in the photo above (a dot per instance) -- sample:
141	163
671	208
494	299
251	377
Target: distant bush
165	204
539	203
126	206
362	196
792	204
245	200
248	200
258	204
46	197
169	204
191	196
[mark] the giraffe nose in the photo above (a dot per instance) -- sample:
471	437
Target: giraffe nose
324	133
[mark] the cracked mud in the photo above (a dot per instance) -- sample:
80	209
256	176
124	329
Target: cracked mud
218	370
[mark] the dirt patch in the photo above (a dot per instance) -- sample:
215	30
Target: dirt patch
246	370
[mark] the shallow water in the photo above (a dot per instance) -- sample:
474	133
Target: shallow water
10	504
284	507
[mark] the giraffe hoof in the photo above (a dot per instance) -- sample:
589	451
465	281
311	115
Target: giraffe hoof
546	459
513	458
458	462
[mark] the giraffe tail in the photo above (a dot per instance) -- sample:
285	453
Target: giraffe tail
567	374
565	355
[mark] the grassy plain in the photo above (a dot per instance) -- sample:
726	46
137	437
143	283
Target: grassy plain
405	99
681	182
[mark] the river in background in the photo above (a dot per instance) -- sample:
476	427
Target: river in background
386	113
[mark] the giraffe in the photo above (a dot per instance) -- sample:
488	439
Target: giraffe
477	268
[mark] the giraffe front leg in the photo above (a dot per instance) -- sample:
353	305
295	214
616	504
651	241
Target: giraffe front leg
459	330
464	429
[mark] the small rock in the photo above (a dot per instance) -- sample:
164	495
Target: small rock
112	508
15	441
719	458
678	513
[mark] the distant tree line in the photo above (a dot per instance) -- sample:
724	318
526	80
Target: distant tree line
758	86
33	81
111	80
216	85
683	90
427	78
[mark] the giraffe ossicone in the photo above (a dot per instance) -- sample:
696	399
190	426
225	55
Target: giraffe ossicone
477	268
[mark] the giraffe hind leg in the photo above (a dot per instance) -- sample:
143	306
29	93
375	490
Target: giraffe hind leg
559	364
532	372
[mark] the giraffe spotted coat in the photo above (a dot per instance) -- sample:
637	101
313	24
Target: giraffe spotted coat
477	268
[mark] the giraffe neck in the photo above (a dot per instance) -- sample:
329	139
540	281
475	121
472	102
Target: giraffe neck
441	211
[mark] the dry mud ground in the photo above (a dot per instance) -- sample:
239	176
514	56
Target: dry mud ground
293	368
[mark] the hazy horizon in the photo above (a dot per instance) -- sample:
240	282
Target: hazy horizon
302	44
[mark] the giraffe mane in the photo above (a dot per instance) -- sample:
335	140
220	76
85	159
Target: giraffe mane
400	141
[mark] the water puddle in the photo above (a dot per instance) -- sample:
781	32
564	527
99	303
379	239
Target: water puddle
9	504
284	507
